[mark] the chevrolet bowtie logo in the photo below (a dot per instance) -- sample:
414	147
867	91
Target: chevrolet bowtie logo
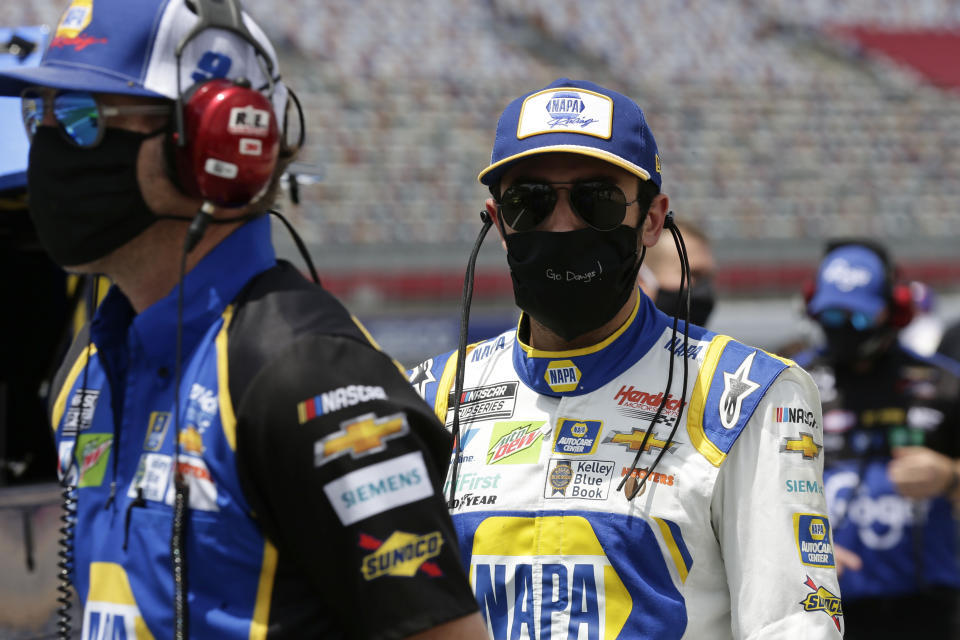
634	440
361	436
804	445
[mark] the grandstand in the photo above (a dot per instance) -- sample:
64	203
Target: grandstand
779	123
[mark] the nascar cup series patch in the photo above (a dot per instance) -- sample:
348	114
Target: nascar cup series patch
566	109
813	539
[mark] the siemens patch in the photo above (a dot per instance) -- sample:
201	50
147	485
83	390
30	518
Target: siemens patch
577	437
813	539
379	487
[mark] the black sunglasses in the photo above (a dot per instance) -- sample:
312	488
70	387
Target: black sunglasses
524	205
80	115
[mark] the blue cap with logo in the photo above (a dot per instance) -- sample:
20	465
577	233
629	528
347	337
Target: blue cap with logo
853	278
574	116
128	47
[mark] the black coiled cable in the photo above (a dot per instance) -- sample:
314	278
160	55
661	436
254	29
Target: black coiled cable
683	305
462	354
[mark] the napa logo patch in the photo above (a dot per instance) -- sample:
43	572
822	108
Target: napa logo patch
577	437
361	436
516	442
92	452
822	600
402	555
813	539
562	375
111	611
568	110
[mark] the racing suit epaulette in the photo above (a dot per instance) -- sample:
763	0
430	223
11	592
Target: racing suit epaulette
721	405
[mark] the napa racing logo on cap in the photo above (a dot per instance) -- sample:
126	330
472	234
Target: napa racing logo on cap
75	19
484	403
516	442
402	555
562	375
822	600
586	479
813	539
570	110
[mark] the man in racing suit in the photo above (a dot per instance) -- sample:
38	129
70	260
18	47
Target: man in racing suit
563	419
242	462
891	422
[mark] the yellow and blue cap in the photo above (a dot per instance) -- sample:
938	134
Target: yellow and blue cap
574	116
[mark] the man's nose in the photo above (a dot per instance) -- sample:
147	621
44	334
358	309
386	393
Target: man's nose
562	218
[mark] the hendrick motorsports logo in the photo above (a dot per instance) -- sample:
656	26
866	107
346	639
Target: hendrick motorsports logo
484	403
643	405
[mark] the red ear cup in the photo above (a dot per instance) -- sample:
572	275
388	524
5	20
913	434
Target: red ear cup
901	306
809	288
232	143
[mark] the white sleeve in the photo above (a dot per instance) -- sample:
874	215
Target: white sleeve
769	515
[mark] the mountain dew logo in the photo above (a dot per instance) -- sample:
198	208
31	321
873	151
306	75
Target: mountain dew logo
92	452
516	442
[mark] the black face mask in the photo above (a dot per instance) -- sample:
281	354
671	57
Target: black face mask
702	299
573	281
847	345
85	203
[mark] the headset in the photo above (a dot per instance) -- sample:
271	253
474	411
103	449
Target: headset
899	299
226	141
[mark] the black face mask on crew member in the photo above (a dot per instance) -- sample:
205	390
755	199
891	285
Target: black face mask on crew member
847	345
573	281
85	203
702	300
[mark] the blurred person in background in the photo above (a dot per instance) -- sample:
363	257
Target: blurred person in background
891	436
661	269
614	477
950	342
241	461
925	330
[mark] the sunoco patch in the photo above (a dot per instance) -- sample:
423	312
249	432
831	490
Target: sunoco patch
813	539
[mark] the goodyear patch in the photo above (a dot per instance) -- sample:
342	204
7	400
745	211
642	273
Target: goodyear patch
822	600
562	375
360	436
813	539
92	452
402	554
577	437
516	442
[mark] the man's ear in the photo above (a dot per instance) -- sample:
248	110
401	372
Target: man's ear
653	222
495	216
